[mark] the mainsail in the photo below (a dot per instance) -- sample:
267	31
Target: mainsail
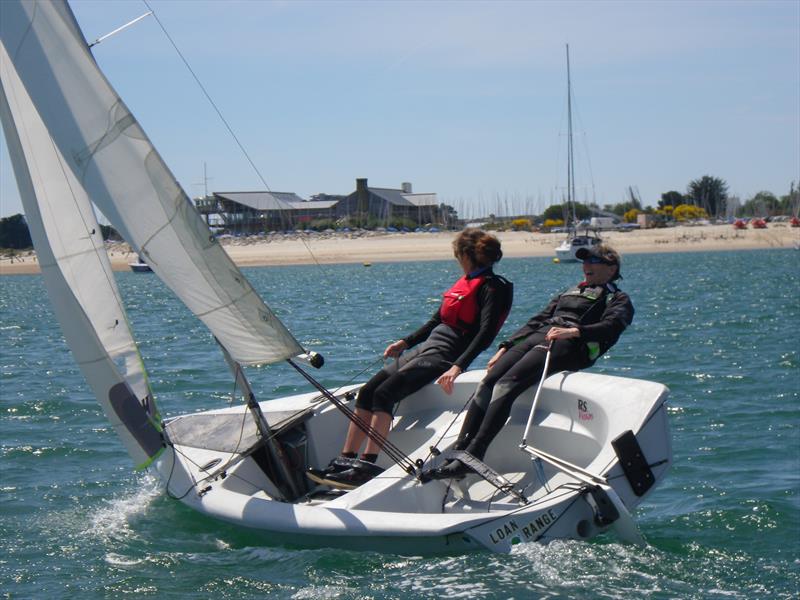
112	159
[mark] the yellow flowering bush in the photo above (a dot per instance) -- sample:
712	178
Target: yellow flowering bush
521	224
630	216
548	223
686	212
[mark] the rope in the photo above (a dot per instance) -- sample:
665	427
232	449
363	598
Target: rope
234	459
393	452
223	468
353	378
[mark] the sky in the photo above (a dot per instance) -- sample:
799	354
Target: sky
464	99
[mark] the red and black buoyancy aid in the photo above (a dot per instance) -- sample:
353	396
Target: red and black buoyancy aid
460	307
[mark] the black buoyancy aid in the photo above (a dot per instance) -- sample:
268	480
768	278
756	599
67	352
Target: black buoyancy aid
576	302
460	308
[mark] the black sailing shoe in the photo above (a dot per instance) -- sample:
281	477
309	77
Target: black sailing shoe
337	465
361	472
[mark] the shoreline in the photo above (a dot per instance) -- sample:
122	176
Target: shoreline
377	247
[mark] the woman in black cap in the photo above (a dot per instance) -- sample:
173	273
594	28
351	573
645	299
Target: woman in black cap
577	327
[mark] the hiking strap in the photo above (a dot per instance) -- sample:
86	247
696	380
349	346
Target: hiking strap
486	473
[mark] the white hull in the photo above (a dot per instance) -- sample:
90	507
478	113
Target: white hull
140	267
577	417
565	252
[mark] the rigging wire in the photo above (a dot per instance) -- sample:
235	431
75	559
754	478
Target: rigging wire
391	450
573	110
586	155
175	451
223	469
222	118
351	380
233	459
444	433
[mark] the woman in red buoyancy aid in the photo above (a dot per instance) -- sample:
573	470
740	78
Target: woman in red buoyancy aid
471	314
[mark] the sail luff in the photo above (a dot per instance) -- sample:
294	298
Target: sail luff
128	181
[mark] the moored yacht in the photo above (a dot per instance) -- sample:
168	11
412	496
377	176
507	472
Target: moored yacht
565	252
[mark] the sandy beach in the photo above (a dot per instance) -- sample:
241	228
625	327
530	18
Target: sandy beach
373	247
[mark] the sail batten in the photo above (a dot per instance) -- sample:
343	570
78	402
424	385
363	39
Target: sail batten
111	156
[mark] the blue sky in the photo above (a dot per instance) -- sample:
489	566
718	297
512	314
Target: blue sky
465	99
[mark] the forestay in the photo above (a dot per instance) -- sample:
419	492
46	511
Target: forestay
77	272
123	175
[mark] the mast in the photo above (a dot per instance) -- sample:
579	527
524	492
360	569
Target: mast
570	157
283	481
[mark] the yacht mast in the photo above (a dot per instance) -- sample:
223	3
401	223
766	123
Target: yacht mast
570	157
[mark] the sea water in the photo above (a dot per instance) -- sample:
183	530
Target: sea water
720	329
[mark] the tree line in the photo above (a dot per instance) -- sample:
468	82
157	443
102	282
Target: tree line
706	197
710	194
15	235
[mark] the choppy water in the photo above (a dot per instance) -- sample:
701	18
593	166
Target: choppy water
720	329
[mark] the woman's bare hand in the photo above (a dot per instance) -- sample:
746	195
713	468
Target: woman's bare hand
562	333
394	349
448	377
495	358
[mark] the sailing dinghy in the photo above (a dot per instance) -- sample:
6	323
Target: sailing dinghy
598	444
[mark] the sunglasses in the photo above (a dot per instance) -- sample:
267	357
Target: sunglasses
594	260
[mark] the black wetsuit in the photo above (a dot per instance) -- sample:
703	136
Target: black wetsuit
601	313
438	346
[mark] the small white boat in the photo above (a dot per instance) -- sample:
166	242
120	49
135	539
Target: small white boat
567	250
585	484
598	443
139	266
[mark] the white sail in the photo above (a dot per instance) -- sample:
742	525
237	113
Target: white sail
77	272
112	158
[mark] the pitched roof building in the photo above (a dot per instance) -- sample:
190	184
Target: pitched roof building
262	211
251	212
386	206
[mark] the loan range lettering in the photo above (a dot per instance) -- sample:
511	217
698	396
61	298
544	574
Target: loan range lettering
529	530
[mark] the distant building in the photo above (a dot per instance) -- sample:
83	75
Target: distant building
251	212
646	221
387	205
